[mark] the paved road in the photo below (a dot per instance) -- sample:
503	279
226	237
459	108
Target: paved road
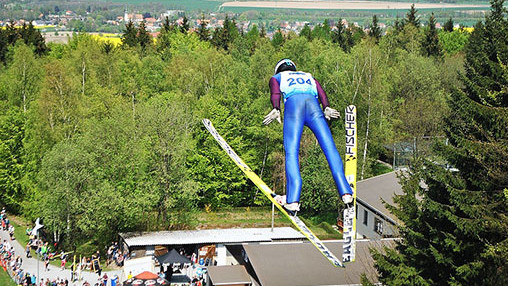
30	265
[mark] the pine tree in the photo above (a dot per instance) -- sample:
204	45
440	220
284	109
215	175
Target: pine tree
144	39
12	33
129	37
317	32
486	63
233	31
251	38
203	32
431	45
448	26
278	39
326	30
455	229
3	46
35	38
306	32
262	33
23	33
411	17
399	25
184	28
374	29
166	26
223	37
343	36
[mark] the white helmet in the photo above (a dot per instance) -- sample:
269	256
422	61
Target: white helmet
284	65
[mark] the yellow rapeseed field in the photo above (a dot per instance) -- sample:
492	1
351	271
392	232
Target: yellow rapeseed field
114	39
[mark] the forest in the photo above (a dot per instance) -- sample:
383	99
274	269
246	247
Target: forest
99	139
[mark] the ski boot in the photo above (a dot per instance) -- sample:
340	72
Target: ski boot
291	208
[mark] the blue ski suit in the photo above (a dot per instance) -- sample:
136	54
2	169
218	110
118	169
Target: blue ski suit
302	93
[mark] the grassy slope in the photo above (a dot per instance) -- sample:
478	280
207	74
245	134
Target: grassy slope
5	279
257	217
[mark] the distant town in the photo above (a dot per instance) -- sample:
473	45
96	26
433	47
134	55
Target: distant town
68	21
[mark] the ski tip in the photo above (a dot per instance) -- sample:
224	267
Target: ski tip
207	123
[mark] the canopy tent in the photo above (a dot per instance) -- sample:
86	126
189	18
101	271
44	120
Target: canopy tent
172	257
146	278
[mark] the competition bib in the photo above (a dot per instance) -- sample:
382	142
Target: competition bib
292	83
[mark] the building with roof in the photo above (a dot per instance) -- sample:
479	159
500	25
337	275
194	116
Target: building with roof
282	256
232	275
202	241
373	220
296	264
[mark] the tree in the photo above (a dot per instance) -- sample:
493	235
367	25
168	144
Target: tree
431	45
453	42
278	39
321	31
262	33
3	46
448	26
455	226
374	29
398	24
11	158
144	39
129	37
169	26
326	30
203	31
167	123
251	38
225	35
412	18
343	36
306	32
486	61
26	75
184	28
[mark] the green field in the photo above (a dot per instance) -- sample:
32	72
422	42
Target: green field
203	5
5	279
214	5
464	16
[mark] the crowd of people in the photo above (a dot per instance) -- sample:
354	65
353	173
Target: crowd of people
12	262
115	255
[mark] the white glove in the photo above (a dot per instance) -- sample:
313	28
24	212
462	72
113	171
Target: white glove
274	114
331	113
347	198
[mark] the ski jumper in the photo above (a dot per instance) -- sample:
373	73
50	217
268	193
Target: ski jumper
302	93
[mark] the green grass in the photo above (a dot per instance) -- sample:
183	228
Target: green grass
262	217
5	279
240	217
323	230
20	226
379	169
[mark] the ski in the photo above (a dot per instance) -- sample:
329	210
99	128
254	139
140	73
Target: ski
349	233
297	222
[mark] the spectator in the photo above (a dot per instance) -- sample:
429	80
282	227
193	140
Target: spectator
11	231
27	250
114	280
63	257
105	279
